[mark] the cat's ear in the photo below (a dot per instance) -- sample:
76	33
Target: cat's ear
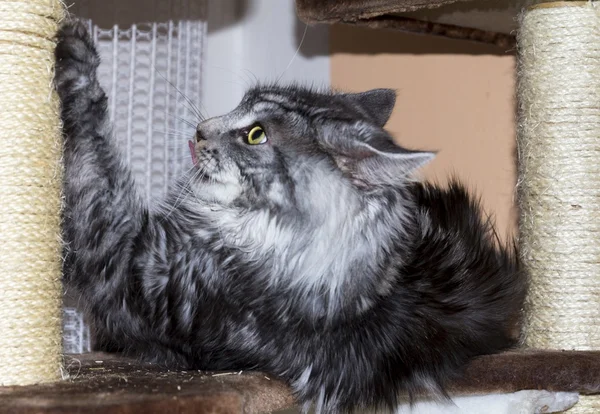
377	103
378	160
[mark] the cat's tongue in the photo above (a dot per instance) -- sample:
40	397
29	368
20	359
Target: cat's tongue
193	152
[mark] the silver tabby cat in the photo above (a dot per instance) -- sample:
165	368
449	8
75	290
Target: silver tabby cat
299	244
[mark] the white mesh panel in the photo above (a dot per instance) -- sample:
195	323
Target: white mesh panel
147	69
76	334
151	58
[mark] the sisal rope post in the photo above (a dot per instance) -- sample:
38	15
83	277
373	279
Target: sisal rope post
559	176
30	194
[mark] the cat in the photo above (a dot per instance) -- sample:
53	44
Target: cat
300	244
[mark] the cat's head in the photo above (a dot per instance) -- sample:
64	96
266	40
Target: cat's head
283	143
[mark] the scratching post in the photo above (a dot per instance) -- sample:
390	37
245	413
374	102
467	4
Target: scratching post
559	176
30	186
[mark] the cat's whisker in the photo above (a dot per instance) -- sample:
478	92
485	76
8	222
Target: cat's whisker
254	80
183	188
171	116
247	82
180	143
193	106
174	134
175	131
187	109
177	156
181	160
178	148
204	111
186	122
236	84
295	53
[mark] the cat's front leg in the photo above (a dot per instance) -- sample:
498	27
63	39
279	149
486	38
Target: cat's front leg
116	253
83	100
103	212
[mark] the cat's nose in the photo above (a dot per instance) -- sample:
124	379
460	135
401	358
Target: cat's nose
208	130
200	136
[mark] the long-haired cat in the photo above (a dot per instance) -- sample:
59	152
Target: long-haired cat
299	244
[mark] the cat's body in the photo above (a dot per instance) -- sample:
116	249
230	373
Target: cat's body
310	255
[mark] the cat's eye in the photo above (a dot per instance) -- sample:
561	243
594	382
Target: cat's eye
256	136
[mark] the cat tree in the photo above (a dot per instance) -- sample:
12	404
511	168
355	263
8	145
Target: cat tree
558	143
30	188
559	176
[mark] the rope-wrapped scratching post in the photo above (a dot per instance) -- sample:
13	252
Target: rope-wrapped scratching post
30	194
559	175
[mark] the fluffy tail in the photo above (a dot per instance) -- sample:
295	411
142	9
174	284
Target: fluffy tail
467	266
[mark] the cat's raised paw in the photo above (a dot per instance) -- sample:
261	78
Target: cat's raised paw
76	59
75	42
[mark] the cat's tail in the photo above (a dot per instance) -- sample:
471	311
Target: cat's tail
468	284
471	272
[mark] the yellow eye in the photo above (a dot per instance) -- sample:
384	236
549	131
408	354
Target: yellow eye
256	136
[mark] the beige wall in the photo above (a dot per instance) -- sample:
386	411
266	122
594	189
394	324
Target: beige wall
454	97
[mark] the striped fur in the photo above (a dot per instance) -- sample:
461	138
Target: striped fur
314	257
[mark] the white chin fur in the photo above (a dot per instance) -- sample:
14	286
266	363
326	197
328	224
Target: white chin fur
217	192
220	186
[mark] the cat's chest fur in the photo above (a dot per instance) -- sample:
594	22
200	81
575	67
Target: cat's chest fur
324	263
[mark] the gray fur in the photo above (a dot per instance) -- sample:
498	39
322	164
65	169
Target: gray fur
314	256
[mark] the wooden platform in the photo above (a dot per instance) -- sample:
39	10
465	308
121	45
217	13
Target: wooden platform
108	384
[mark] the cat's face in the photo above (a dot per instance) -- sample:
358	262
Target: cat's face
290	148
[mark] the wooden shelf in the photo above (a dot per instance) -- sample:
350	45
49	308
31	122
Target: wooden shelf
110	384
492	21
